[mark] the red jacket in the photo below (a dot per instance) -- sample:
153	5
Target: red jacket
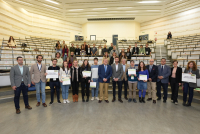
63	52
69	65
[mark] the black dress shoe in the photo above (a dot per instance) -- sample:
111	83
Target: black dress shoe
158	99
188	105
143	99
149	99
100	101
87	99
120	100
106	101
184	103
59	102
83	100
113	100
154	101
129	100
140	99
125	98
164	101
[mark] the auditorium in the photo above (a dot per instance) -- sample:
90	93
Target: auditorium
100	66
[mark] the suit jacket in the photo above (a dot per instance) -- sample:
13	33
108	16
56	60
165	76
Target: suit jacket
112	51
154	73
102	74
99	53
166	73
117	74
111	60
137	50
16	76
74	58
178	78
194	85
81	74
124	76
38	75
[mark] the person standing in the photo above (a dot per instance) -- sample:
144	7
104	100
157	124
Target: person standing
191	69
72	48
69	62
75	79
72	57
135	50
117	70
65	72
114	51
132	82
147	50
54	82
85	81
11	42
151	84
128	54
85	47
20	81
142	84
59	59
77	50
124	77
104	49
141	50
169	35
110	48
82	52
123	56
59	49
164	72
175	81
106	56
94	69
112	59
122	51
99	51
93	50
38	79
65	52
104	72
88	52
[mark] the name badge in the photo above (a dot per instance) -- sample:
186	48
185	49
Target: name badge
65	53
76	53
54	79
132	77
146	52
88	50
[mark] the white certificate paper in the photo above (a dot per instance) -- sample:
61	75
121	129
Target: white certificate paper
95	74
186	77
66	81
142	77
93	84
131	71
52	73
86	73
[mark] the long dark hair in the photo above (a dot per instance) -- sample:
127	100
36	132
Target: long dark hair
69	60
128	49
139	68
105	55
83	65
10	39
63	67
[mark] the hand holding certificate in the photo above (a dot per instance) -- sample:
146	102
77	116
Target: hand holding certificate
143	77
131	71
86	73
186	77
66	81
93	84
52	73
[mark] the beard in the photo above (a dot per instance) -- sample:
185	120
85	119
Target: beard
39	61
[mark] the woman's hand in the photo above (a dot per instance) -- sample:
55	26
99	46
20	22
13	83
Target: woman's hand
135	75
61	81
144	80
88	81
129	75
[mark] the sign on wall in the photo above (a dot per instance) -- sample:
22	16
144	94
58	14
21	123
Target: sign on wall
144	37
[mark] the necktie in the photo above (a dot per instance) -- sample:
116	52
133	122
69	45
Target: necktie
105	69
150	68
162	69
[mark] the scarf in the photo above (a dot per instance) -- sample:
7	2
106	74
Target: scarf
73	73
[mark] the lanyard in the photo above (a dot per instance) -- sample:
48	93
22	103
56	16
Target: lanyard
39	68
66	72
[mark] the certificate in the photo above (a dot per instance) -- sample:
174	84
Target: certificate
86	73
131	71
142	77
66	81
93	84
186	77
95	73
52	73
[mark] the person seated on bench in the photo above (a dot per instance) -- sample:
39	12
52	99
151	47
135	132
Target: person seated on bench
169	36
147	49
11	42
141	50
82	52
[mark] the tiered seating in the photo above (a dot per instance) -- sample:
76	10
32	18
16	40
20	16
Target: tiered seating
90	42
184	49
44	46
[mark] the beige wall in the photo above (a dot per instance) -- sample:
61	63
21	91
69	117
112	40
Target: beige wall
105	30
20	23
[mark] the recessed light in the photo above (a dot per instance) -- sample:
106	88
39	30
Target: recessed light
50	6
149	2
75	9
99	8
53	2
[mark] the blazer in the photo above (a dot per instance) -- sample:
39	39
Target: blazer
63	52
111	60
38	75
89	52
137	50
104	50
124	76
128	54
178	78
77	51
166	73
74	58
102	74
78	73
81	74
16	76
194	85
112	51
99	53
117	74
154	73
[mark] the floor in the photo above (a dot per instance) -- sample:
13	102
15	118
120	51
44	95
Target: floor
95	118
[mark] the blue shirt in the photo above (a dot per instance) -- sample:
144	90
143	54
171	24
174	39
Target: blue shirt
21	70
124	67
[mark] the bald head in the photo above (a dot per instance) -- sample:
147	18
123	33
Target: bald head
151	61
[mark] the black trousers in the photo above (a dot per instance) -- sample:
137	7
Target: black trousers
119	83
24	89
125	87
57	85
84	83
75	86
174	87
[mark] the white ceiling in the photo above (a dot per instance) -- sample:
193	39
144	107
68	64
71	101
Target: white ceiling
79	10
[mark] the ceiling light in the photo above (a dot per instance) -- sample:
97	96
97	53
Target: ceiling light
149	2
24	2
75	9
124	7
99	8
50	6
53	2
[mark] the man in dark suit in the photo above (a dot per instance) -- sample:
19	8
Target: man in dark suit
151	84
135	50
117	70
104	72
20	81
164	72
